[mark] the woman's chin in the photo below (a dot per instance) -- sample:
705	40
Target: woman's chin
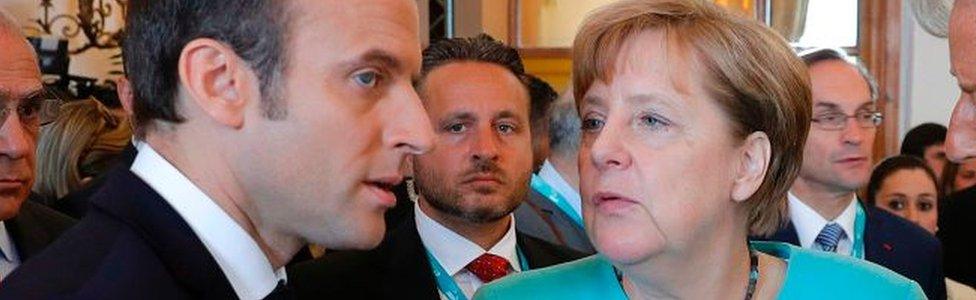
627	245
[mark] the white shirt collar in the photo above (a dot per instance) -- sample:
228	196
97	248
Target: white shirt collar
551	176
454	252
808	222
238	255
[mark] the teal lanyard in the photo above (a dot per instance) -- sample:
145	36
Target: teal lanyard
446	284
857	245
550	193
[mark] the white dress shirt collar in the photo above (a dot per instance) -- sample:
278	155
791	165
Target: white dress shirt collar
551	176
10	259
238	255
454	252
808	222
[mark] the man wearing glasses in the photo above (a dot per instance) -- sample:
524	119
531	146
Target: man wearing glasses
824	211
26	227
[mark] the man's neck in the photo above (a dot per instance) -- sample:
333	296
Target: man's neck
485	235
205	171
827	202
567	168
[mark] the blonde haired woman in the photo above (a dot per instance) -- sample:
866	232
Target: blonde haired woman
694	122
79	145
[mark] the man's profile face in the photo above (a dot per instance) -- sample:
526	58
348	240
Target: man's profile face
481	164
20	82
324	172
961	139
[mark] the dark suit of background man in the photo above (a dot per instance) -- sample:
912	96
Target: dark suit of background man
824	211
26	227
461	233
553	210
957	227
265	124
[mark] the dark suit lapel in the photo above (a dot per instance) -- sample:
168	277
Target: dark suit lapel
786	234
540	255
132	201
875	239
27	231
408	275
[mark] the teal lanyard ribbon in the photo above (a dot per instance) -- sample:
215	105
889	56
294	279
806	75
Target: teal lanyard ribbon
857	244
445	282
550	193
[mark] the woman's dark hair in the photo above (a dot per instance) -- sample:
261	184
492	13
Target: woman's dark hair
921	137
890	165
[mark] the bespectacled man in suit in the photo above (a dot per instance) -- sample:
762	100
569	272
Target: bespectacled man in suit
266	124
26	227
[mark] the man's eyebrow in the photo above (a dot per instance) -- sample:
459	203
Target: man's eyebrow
33	95
379	57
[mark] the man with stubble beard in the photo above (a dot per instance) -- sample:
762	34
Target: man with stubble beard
461	234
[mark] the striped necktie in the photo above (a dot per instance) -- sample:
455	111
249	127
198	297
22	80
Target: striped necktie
829	237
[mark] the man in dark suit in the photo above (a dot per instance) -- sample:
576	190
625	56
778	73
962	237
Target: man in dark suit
553	210
824	211
461	233
26	227
957	223
241	161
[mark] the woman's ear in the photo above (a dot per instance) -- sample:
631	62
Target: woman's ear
754	156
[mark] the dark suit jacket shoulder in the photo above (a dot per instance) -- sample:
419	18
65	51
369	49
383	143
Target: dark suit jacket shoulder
75	204
895	244
35	227
131	245
956	225
540	218
397	269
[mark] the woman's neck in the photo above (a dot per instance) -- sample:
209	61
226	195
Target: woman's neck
703	270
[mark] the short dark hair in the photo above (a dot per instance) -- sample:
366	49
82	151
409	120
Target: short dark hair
157	31
811	56
542	95
895	163
921	137
482	48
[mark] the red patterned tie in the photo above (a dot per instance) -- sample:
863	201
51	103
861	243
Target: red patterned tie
488	267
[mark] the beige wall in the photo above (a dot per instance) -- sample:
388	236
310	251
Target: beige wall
93	63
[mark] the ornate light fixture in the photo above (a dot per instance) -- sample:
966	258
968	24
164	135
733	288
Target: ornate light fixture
89	22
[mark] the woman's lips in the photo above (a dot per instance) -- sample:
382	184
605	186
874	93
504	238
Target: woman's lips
612	202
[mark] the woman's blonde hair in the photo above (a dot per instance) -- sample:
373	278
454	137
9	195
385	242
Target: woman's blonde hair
754	76
84	139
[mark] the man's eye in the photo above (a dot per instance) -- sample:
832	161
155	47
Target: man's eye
455	128
506	128
366	78
590	124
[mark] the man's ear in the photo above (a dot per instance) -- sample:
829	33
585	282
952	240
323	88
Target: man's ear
754	156
216	80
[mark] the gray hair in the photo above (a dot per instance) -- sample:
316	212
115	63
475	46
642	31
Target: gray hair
564	126
814	55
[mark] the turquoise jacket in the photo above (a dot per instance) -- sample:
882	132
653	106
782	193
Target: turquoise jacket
809	275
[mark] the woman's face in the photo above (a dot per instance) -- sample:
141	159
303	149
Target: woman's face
657	159
911	194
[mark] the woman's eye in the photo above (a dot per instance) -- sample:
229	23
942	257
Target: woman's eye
925	206
896	205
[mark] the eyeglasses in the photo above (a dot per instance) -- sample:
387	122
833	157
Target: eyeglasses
837	120
34	113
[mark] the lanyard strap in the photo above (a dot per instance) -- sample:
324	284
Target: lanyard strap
857	245
550	193
445	282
